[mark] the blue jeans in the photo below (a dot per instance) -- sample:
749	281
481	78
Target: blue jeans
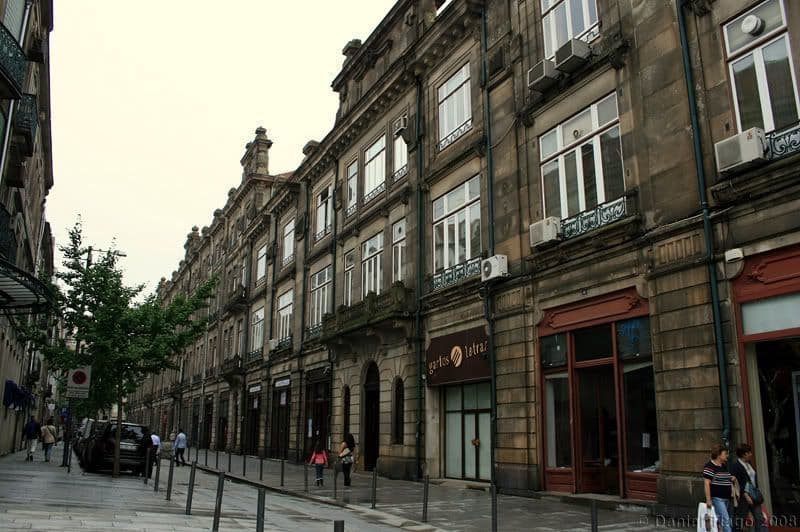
722	508
320	468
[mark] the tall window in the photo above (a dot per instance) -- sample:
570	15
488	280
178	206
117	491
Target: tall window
374	169
346	410
241	340
349	269
455	107
285	314
399	155
764	87
320	295
563	20
288	242
398	420
324	202
261	264
372	265
398	250
257	339
457	225
15	12
352	188
582	160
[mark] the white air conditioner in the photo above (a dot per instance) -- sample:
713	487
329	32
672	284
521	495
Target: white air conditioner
545	231
542	76
572	55
400	125
739	151
273	344
494	267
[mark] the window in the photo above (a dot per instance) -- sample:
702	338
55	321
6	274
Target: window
374	169
242	341
563	20
398	250
455	107
261	264
349	269
352	188
15	12
320	295
371	265
324	212
346	410
582	161
288	242
764	88
400	155
557	416
285	314
398	420
257	339
457	225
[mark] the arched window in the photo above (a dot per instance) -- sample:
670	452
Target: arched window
398	420
346	411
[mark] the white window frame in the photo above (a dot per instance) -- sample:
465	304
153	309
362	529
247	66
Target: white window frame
372	265
549	7
445	98
285	303
321	283
441	5
399	156
241	340
349	272
756	49
352	187
574	146
288	241
398	250
450	215
261	263
374	168
257	337
324	204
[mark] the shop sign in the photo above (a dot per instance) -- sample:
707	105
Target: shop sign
283	383
458	357
255	388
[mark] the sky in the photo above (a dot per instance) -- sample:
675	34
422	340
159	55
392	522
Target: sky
153	102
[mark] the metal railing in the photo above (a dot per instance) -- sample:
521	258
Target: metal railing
26	120
457	273
374	193
784	142
13	63
351	210
400	173
455	135
603	214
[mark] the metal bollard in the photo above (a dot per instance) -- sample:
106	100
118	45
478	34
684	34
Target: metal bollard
218	505
425	488
230	457
190	489
261	468
283	463
216	464
169	478
305	476
335	482
262	495
338	526
146	471
594	516
244	465
158	473
493	489
374	485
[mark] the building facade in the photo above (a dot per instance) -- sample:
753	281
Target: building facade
645	305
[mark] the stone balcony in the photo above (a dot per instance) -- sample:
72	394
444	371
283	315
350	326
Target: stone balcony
13	65
232	366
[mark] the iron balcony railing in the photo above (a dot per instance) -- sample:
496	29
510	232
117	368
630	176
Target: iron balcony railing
400	173
8	239
603	214
254	355
374	193
784	142
13	64
287	260
314	331
457	273
351	210
322	233
26	121
455	135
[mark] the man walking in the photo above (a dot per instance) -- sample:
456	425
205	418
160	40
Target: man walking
32	432
180	448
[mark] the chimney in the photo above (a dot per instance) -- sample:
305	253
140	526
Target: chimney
255	162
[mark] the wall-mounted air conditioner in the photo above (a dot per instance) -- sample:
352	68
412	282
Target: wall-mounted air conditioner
542	76
741	150
572	55
545	231
494	267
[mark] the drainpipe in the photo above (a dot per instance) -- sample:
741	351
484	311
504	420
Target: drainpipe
244	403
722	366
420	337
488	301
334	243
301	352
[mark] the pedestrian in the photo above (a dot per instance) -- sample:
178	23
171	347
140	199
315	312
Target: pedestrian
156	444
346	450
750	498
147	444
32	432
719	488
49	434
319	458
180	448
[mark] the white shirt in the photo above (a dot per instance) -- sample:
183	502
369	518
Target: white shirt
180	441
156	440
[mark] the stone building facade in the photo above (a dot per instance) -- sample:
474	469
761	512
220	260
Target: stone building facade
649	307
26	241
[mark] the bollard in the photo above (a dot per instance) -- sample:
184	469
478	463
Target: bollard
305	476
146	471
218	505
169	478
338	526
244	465
262	495
216	464
493	489
425	488
594	516
283	462
190	489
158	473
335	481
230	457
261	468
374	484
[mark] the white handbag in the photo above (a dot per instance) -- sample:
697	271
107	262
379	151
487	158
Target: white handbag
706	518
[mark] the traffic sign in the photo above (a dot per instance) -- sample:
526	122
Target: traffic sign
78	381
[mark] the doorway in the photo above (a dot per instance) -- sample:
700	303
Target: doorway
468	431
279	440
317	414
208	420
222	426
371	416
598	467
251	423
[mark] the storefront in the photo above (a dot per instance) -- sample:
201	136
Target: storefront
281	405
208	421
251	420
195	422
222	423
458	364
317	415
598	398
767	306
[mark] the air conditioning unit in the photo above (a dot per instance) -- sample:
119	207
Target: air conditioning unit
545	231
542	76
572	55
400	125
494	267
742	150
273	344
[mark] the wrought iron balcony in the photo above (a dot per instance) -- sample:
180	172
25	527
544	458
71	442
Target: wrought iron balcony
254	356
232	365
26	121
603	214
455	135
374	193
314	331
457	273
400	173
237	300
351	210
322	233
784	142
287	260
284	343
8	239
396	303
12	65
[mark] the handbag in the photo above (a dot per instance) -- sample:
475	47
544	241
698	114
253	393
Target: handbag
754	493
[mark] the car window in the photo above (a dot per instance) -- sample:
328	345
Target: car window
129	432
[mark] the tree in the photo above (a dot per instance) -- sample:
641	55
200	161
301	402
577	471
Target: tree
124	340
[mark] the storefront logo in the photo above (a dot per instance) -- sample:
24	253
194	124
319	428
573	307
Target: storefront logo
458	357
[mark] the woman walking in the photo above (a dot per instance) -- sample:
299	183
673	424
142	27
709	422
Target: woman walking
750	498
319	459
49	433
719	486
346	456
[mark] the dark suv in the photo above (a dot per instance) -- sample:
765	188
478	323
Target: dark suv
98	451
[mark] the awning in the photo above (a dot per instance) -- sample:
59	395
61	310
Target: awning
21	292
17	397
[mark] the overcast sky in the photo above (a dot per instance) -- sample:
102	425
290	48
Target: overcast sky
153	102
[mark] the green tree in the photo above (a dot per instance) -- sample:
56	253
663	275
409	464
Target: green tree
124	339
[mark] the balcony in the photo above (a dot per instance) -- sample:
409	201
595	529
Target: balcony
175	390
455	135
8	239
457	273
602	215
784	142
232	366
374	193
376	315
314	332
351	210
322	233
287	260
196	379
254	356
26	121
12	65
237	299
400	173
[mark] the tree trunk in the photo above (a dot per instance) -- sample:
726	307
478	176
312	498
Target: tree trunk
118	438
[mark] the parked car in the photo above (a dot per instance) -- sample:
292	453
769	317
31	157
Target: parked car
84	437
99	449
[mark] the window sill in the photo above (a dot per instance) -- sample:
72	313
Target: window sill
456	134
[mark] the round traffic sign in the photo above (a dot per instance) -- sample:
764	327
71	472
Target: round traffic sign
79	377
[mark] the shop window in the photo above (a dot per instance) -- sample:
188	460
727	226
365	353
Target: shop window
593	343
640	416
398	420
554	350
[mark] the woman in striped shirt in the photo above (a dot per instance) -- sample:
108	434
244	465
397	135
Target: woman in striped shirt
719	486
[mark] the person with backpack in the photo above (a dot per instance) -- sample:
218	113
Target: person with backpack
49	434
32	432
319	459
